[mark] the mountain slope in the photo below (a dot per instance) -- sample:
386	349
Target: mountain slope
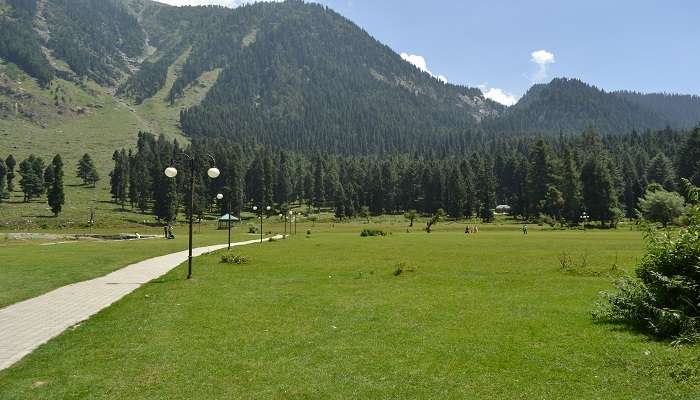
682	111
303	77
570	106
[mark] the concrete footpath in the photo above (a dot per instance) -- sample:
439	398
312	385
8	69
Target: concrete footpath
26	325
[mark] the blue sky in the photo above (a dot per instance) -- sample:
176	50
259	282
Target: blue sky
504	46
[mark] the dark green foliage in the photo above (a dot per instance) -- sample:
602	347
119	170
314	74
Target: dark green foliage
32	182
119	177
20	45
56	196
10	163
570	106
689	158
3	175
661	172
661	206
372	232
87	171
599	195
310	77
93	36
681	111
664	300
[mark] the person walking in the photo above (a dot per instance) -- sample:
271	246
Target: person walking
525	229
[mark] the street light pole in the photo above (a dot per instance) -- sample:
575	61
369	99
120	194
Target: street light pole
228	215
213	173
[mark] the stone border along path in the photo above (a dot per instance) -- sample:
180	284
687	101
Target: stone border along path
26	325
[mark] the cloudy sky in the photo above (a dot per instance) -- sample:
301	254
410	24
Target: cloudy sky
503	47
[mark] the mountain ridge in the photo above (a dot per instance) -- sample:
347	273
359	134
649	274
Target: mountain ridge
295	75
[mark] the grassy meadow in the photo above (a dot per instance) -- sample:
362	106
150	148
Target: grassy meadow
329	315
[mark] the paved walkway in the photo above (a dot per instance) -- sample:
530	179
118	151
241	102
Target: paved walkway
26	325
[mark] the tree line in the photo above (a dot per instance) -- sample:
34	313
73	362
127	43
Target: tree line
557	179
38	179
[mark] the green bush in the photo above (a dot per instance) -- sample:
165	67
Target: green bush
231	258
664	300
372	232
252	229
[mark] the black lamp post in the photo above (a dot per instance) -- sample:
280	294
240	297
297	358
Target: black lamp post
228	215
256	208
213	173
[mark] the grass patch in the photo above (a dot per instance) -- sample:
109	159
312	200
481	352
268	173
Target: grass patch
485	317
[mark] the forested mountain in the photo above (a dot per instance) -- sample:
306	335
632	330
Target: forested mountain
569	106
681	111
298	76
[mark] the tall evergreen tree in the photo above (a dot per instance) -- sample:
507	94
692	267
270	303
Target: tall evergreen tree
10	163
56	196
598	190
87	171
3	177
571	187
661	172
688	161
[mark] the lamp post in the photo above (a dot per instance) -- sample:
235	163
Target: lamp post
213	173
256	208
585	217
228	215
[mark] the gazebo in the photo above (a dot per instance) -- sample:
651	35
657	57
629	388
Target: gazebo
224	221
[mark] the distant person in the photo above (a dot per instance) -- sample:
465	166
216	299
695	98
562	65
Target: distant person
525	229
466	230
165	231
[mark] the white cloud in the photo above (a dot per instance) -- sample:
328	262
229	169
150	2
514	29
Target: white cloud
421	64
542	58
226	3
498	95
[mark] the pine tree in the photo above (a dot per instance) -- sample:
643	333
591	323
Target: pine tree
87	171
10	163
661	172
539	177
283	183
571	188
119	177
32	182
456	193
688	158
598	191
56	197
3	177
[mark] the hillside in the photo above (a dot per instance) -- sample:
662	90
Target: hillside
681	111
570	106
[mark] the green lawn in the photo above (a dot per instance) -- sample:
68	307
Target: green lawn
31	268
487	316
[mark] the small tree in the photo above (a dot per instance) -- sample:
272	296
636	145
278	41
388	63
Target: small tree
439	214
411	216
87	171
661	206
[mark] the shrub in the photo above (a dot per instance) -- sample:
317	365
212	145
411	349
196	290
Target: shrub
661	206
252	229
231	258
372	232
664	300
